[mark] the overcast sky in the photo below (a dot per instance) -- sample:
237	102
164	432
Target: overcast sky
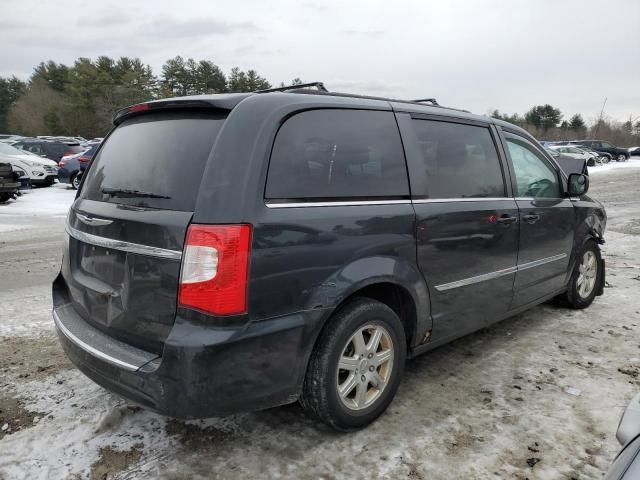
477	55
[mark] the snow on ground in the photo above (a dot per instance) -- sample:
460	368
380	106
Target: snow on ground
547	386
93	421
35	207
51	201
633	162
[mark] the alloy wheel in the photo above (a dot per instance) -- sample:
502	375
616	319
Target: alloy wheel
365	367
587	275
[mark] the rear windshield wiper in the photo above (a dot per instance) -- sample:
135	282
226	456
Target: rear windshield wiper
123	192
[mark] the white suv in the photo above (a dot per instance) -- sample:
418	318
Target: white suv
41	171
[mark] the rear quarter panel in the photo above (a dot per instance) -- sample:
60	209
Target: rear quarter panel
314	257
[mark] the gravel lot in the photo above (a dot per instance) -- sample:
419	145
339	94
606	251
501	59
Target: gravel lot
537	396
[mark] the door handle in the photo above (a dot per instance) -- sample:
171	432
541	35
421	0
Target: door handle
507	220
532	218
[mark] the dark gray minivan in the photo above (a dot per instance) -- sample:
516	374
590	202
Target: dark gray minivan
241	251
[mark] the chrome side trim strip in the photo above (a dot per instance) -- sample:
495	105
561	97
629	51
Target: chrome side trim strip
94	351
498	273
542	261
531	199
446	200
478	279
353	203
122	245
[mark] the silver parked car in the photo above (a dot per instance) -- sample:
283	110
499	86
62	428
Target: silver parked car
575	152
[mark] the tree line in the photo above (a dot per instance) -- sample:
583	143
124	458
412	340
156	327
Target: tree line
546	122
80	99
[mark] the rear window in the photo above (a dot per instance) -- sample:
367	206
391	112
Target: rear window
155	160
338	154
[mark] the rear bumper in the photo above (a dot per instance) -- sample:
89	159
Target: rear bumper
203	371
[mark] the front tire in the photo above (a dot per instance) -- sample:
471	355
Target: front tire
356	366
586	277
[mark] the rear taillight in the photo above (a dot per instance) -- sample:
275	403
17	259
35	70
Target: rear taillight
83	159
140	107
61	163
215	264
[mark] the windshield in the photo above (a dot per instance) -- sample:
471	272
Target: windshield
155	160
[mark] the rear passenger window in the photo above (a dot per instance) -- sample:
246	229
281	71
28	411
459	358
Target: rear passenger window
460	161
331	153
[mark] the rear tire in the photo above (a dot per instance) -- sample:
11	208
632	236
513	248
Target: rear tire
622	158
356	366
75	181
586	277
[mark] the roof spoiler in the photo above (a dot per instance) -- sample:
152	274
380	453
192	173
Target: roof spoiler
224	102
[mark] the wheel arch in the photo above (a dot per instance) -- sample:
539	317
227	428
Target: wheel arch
391	292
406	294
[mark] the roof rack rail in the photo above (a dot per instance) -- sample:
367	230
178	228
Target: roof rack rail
432	101
322	90
319	85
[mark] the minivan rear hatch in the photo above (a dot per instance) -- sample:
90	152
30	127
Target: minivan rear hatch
127	228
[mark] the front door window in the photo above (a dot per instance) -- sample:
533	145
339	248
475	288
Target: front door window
534	176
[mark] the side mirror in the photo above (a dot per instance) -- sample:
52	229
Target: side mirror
578	184
629	426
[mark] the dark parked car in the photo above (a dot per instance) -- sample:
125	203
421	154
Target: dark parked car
634	151
268	247
620	154
72	166
9	184
52	150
